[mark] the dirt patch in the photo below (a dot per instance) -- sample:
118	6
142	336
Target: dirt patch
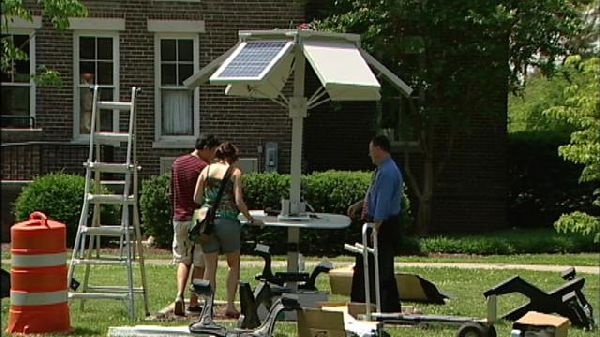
167	314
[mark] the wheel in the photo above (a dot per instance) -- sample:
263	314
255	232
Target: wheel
471	329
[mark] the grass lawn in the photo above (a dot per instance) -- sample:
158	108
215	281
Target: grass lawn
466	286
570	259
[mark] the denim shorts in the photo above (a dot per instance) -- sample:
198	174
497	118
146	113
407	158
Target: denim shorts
225	239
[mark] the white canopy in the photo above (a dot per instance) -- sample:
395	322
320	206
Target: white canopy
342	71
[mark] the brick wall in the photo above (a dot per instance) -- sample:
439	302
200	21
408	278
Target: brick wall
470	193
249	123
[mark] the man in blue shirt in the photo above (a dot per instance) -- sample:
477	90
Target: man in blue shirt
382	207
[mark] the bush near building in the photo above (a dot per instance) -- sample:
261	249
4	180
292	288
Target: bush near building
60	197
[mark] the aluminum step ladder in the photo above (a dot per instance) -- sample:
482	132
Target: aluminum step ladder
91	234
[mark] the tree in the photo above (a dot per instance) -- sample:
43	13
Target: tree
427	42
57	11
581	108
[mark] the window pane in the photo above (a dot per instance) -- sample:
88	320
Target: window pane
167	50
22	71
105	73
177	116
22	42
85	107
87	67
86	78
186	50
105	48
168	74
185	71
86	96
6	77
15	101
87	48
106	116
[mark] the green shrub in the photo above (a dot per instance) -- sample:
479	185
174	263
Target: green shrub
328	192
515	241
60	197
542	186
155	209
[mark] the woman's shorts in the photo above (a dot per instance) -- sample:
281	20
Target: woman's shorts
225	239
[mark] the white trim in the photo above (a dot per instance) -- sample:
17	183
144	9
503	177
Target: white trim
161	141
44	298
179	26
112	24
39	260
82	138
18	22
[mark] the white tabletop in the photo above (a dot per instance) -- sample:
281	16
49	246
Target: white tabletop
315	221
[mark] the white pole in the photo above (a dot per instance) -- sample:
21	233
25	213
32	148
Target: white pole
297	113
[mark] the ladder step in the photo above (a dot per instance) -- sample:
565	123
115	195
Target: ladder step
111	199
95	261
114	105
106	230
109	167
110	138
113	289
116	296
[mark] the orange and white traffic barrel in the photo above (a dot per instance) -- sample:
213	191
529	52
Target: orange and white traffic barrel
38	294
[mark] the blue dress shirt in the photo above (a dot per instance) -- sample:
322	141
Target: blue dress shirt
384	195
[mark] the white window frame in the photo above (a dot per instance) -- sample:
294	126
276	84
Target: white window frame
165	141
32	66
77	136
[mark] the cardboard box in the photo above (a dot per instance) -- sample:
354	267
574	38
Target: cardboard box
409	285
540	324
320	323
354	309
340	280
306	298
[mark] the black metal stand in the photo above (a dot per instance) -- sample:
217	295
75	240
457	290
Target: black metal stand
568	300
206	326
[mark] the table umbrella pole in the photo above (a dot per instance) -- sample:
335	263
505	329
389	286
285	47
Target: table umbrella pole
297	110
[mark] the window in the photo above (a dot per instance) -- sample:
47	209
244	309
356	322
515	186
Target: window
18	90
96	63
176	106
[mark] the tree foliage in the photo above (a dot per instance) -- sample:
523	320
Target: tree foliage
450	51
581	108
57	12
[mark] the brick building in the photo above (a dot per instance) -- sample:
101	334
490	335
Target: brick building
155	45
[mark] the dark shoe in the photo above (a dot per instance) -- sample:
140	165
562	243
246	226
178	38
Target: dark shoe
195	308
179	307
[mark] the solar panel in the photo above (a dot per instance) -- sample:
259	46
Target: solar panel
251	61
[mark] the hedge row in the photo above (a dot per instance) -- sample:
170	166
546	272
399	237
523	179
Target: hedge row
328	192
